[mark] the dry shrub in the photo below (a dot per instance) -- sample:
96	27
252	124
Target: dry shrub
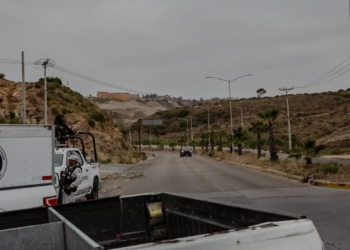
330	172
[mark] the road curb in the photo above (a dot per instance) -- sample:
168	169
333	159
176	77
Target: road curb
322	183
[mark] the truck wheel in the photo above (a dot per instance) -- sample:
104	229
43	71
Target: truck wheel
94	192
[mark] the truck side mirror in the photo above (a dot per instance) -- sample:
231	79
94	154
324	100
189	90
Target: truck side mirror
88	160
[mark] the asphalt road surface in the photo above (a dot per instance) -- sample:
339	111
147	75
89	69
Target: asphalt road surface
205	178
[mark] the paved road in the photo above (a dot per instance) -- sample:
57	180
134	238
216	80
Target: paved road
206	178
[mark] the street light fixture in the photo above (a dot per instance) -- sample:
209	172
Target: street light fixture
229	90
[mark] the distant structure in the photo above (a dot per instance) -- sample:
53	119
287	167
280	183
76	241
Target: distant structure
118	96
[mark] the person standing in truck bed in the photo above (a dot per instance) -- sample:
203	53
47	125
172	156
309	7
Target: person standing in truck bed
62	128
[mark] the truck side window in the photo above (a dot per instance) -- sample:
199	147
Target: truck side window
80	160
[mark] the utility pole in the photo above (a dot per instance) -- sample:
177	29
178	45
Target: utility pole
23	92
241	116
289	132
45	63
140	124
150	135
191	129
45	90
130	143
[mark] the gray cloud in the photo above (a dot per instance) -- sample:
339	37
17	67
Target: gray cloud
168	47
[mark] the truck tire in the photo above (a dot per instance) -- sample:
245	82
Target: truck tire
94	192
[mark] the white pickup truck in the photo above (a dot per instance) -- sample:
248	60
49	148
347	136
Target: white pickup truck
26	166
90	172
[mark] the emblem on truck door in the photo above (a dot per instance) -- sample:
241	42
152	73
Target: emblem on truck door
3	162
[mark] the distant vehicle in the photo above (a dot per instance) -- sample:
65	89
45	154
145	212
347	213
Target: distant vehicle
185	151
26	166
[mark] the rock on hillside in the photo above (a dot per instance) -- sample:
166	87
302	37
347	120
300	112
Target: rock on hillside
80	114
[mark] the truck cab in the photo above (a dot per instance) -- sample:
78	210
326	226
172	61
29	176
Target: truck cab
90	172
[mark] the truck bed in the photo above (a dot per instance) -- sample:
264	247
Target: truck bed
118	222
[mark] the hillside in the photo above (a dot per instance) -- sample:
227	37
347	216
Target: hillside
132	110
321	116
80	114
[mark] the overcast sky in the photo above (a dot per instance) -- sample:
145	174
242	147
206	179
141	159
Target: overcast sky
169	47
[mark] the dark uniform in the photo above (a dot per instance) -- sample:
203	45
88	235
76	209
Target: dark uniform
62	128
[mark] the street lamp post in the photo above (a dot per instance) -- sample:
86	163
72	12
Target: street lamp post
229	90
191	128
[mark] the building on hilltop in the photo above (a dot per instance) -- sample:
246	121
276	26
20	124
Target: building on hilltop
119	96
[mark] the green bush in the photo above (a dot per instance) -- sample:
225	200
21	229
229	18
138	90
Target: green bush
91	123
143	156
167	115
327	168
211	153
54	79
55	111
108	160
2	76
15	121
66	111
2	120
12	115
60	95
97	116
40	94
53	85
182	113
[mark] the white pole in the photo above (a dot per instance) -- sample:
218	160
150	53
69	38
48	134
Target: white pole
23	92
188	144
229	91
289	132
150	135
191	129
209	126
45	94
130	144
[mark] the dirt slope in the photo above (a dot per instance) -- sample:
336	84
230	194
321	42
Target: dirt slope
80	113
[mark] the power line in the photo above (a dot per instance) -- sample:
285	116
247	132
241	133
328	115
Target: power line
71	72
331	79
325	76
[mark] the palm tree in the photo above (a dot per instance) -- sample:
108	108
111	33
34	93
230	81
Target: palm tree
205	140
212	135
309	149
181	141
220	133
258	128
269	116
240	135
193	144
172	145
